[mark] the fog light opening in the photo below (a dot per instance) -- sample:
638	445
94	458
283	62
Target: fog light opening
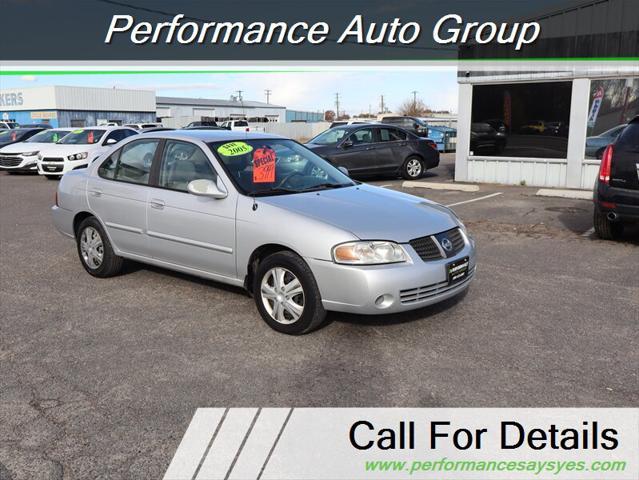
384	301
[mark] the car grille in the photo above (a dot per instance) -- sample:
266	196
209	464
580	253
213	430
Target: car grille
51	168
10	161
53	159
426	248
418	294
431	247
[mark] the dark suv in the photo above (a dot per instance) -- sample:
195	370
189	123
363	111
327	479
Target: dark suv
617	187
413	124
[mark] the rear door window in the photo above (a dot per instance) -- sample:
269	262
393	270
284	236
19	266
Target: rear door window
133	164
391	135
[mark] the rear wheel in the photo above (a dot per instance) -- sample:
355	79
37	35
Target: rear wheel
413	168
606	229
95	250
286	294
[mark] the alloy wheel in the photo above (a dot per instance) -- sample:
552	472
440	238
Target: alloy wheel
91	247
414	168
282	295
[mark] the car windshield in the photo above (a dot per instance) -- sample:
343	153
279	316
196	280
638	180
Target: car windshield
48	136
83	136
276	167
330	137
13	135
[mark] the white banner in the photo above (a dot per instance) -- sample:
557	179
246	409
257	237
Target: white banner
407	443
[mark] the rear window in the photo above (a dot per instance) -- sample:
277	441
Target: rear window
241	123
629	138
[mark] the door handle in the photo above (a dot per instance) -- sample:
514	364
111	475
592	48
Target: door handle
95	192
157	203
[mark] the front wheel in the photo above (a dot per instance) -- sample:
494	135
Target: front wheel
413	168
95	250
286	294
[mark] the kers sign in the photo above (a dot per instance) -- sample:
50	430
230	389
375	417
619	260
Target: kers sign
11	99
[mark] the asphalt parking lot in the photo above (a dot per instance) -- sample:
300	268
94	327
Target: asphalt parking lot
99	378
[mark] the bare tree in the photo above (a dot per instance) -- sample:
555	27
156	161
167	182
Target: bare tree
329	115
414	108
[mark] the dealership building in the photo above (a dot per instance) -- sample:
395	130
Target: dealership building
548	127
64	106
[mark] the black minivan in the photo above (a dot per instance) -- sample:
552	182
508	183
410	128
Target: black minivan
616	193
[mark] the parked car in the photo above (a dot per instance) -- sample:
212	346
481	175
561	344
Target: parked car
79	148
485	139
202	123
444	137
371	149
240	126
15	135
413	124
267	214
596	145
498	124
5	125
23	156
143	126
205	128
616	193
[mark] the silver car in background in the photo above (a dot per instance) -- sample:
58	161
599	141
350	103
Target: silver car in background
267	214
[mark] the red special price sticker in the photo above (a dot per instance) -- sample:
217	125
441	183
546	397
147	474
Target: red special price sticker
264	165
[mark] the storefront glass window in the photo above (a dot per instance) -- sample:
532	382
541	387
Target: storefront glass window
521	120
613	102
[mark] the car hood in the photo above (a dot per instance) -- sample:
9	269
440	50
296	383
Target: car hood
57	149
21	147
370	213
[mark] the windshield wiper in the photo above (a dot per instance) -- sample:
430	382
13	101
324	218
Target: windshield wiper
273	191
324	186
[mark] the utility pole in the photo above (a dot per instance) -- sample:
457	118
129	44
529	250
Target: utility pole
268	95
337	106
414	92
382	106
239	95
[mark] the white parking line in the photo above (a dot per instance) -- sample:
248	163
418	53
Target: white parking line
588	233
560	193
385	186
475	199
441	186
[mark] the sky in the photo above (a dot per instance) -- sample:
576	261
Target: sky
314	90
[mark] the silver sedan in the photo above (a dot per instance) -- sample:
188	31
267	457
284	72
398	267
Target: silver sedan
267	214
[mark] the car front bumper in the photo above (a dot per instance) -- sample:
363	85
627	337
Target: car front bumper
59	166
18	163
403	286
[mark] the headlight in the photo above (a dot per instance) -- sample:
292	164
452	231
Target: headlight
78	156
29	154
368	253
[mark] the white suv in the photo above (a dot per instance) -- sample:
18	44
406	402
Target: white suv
78	149
22	156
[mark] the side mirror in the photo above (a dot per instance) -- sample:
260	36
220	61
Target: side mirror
347	144
207	188
344	170
111	141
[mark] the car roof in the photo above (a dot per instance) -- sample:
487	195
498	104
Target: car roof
214	135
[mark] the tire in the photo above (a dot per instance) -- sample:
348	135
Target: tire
413	168
605	229
286	316
52	177
110	264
